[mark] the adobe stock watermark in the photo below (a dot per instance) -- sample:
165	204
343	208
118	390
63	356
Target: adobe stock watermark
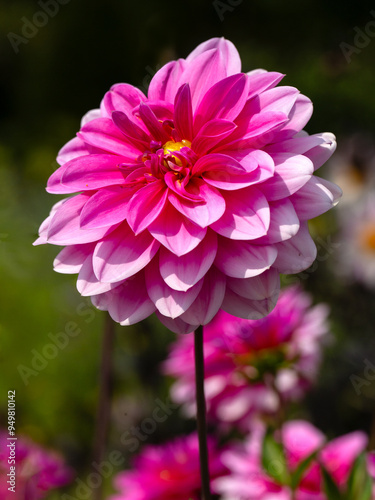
30	27
361	39
58	342
222	7
368	376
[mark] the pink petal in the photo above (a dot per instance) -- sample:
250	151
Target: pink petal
284	223
181	273
298	145
296	254
71	258
183	113
246	308
65	227
320	154
169	302
103	133
228	51
92	172
223	100
241	259
261	81
87	282
203	213
247	215
122	97
43	230
90	115
146	205
152	123
260	287
54	185
131	130
106	207
218	162
176	325
174	231
209	300
122	254
298	117
315	197
211	134
72	149
165	83
280	99
291	173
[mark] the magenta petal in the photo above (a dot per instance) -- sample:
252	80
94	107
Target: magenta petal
203	213
183	113
146	205
153	124
260	287
218	162
122	254
211	134
165	83
176	325
92	172
315	197
72	149
122	97
284	222
227	50
297	254
209	300
131	130
65	229
71	258
291	173
103	133
246	308
280	99
87	282
106	207
298	117
128	303
174	231
247	215
54	185
262	80
169	302
181	273
223	100
241	259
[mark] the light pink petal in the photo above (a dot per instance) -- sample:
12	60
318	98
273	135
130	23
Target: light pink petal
183	113
92	172
284	222
176	325
246	308
106	207
296	254
247	215
211	134
291	173
71	258
321	153
174	231
166	81
43	230
229	53
128	303
202	213
298	145
87	282
277	99
146	205
72	149
298	117
103	133
169	302
241	259
229	180
300	439
223	100
209	300
260	287
65	227
122	97
315	197
122	254
262	80
90	115
181	273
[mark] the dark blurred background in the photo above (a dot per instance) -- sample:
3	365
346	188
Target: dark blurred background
50	76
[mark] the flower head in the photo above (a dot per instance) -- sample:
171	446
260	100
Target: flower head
37	471
250	364
189	195
167	472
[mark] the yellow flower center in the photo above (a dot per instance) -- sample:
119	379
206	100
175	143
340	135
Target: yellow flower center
170	147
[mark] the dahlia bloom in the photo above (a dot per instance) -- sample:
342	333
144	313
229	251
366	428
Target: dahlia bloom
37	471
248	480
189	195
247	361
167	472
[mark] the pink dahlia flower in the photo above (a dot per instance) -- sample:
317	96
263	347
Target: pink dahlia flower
189	195
167	472
250	364
248	480
37	471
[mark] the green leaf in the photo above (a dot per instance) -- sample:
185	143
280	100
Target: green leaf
299	471
359	483
330	487
274	461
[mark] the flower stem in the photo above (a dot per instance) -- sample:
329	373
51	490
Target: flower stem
201	413
104	399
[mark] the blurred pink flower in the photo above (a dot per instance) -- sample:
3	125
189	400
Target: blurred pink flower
248	480
38	471
188	196
246	360
167	472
